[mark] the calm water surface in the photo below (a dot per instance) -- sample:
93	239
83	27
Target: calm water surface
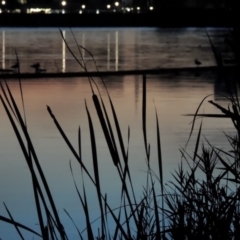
113	49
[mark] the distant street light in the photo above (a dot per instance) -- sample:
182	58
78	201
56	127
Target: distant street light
97	11
83	6
151	8
108	6
3	2
64	3
116	4
138	8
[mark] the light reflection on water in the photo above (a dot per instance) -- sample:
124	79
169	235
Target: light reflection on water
113	49
172	97
63	53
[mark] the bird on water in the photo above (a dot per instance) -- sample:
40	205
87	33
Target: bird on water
15	66
197	62
37	68
36	65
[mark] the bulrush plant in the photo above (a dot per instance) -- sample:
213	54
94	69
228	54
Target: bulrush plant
208	208
133	220
185	208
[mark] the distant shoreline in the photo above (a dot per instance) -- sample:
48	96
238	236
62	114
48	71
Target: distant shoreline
160	71
164	18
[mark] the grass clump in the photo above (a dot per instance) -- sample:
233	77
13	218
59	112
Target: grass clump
185	208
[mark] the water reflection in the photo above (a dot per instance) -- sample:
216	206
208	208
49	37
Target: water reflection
108	51
83	45
63	52
222	87
172	98
114	49
3	49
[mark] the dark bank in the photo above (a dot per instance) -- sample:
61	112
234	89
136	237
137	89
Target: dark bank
162	18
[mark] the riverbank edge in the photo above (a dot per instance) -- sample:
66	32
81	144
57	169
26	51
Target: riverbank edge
163	18
173	71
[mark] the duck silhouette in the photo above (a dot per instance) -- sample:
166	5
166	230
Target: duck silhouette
36	65
15	66
197	62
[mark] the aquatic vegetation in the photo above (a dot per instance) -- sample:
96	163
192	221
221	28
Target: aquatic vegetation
184	208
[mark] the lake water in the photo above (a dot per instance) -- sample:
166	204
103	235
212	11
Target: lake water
113	49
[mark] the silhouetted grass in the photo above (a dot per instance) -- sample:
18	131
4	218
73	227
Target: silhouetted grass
185	208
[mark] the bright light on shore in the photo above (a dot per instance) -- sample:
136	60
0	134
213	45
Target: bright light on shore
151	8
3	2
108	6
80	12
83	6
97	11
138	8
116	4
64	3
38	10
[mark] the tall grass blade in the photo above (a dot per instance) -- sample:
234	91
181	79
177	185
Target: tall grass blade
18	137
46	236
7	99
216	54
68	143
83	65
37	202
116	228
95	166
20	86
207	115
144	100
140	223
158	232
32	151
79	143
70	50
112	149
159	153
194	118
105	130
15	225
19	225
160	171
111	134
89	227
126	217
84	205
119	226
126	171
197	143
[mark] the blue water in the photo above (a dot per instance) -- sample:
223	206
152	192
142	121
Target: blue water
113	49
